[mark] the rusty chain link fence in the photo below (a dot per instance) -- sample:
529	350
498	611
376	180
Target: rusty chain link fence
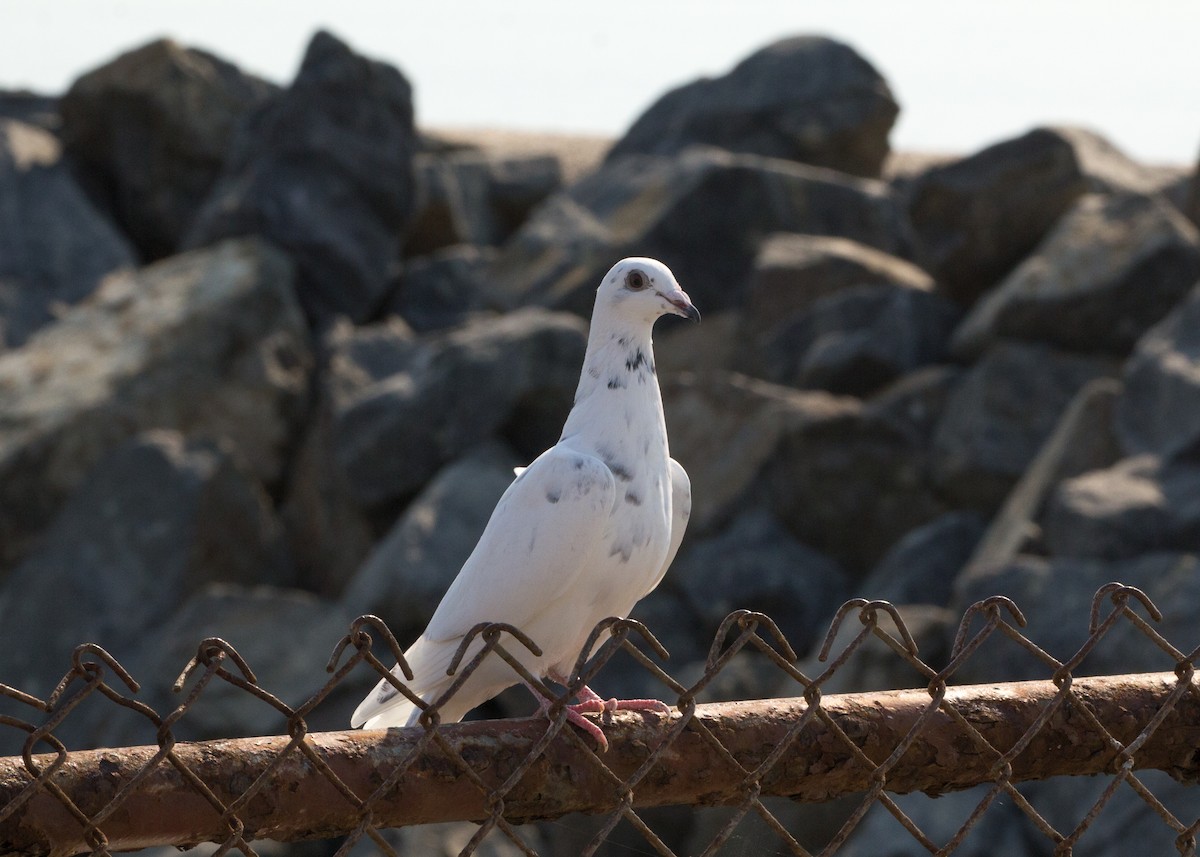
863	758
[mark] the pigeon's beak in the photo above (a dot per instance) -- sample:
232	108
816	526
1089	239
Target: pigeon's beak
682	303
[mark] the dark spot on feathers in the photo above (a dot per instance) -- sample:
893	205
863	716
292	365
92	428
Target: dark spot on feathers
620	471
594	372
579	464
636	361
553	496
615	383
632	499
621	340
624	551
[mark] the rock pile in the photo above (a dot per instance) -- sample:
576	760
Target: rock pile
268	356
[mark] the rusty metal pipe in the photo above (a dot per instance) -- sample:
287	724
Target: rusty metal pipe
298	802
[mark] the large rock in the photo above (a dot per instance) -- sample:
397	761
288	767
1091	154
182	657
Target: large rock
476	198
152	522
755	564
724	427
793	271
54	246
153	127
445	288
285	636
852	483
1159	411
324	170
704	213
922	566
1138	505
1109	269
515	376
976	218
808	99
858	340
409	571
210	343
1056	595
999	415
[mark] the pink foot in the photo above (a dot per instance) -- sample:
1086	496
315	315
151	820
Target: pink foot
591	703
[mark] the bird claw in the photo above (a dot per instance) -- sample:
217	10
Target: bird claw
592	703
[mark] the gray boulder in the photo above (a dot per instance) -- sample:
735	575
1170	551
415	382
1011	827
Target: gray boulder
324	170
409	570
1109	269
444	289
852	483
476	198
515	376
860	339
755	564
724	427
809	99
55	247
1000	414
1139	505
1056	596
977	217
793	271
704	213
921	567
155	520
31	108
210	343
1159	411
152	128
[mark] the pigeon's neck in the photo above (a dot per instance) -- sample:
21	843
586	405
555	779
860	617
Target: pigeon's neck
618	398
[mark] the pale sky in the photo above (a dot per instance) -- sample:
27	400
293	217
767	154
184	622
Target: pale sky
966	73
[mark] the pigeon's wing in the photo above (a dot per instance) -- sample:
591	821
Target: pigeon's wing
549	522
681	512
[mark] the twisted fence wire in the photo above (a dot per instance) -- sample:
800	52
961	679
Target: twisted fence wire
93	671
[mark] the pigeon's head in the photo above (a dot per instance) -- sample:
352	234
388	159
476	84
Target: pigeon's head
641	289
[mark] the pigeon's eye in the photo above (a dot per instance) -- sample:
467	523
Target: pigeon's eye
636	280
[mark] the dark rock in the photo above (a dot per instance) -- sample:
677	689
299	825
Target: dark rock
704	213
998	416
475	198
922	566
520	369
793	271
31	108
210	343
1109	269
914	404
724	427
711	346
808	99
1139	505
285	636
755	564
444	289
408	572
1056	596
153	127
1192	205
976	218
324	170
54	246
851	484
1159	411
860	339
154	520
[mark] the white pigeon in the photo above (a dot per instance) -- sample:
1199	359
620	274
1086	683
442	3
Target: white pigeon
583	533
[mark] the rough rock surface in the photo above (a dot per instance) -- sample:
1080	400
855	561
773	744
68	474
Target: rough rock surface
445	288
55	247
210	343
1159	411
394	434
324	170
152	128
809	99
704	213
1109	269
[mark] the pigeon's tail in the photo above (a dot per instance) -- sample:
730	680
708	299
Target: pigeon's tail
385	706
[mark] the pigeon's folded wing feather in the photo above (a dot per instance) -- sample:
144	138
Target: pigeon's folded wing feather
551	518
